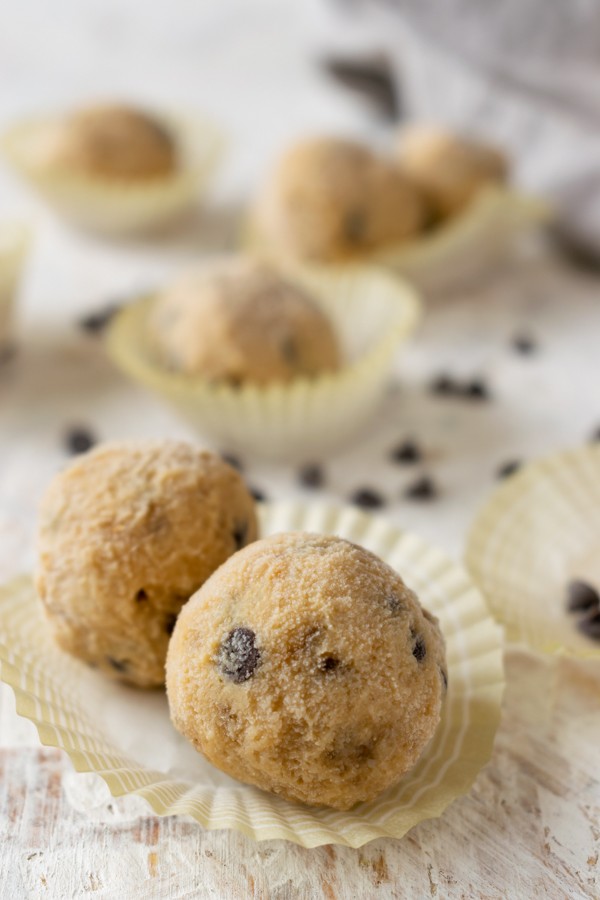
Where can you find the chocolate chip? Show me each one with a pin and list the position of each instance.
(524, 344)
(406, 452)
(419, 649)
(590, 626)
(582, 596)
(95, 322)
(233, 461)
(170, 621)
(444, 385)
(311, 476)
(79, 440)
(240, 535)
(355, 226)
(476, 389)
(508, 468)
(119, 665)
(422, 489)
(141, 596)
(328, 663)
(234, 381)
(366, 498)
(239, 656)
(393, 603)
(444, 678)
(595, 436)
(258, 495)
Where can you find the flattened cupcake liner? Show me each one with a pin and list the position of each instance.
(372, 313)
(125, 735)
(120, 206)
(13, 246)
(454, 252)
(537, 532)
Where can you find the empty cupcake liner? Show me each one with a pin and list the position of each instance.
(13, 246)
(124, 735)
(537, 532)
(120, 207)
(372, 313)
(454, 252)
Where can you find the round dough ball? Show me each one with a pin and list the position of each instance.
(113, 142)
(127, 533)
(332, 199)
(307, 667)
(450, 170)
(238, 321)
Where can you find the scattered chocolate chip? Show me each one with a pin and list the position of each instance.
(422, 489)
(79, 440)
(509, 468)
(239, 656)
(366, 498)
(240, 535)
(393, 603)
(444, 385)
(170, 621)
(328, 663)
(476, 389)
(582, 596)
(524, 344)
(444, 675)
(141, 596)
(258, 495)
(419, 649)
(311, 476)
(119, 665)
(355, 225)
(590, 626)
(406, 452)
(95, 322)
(233, 461)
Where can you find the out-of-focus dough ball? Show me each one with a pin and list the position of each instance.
(127, 533)
(330, 199)
(239, 321)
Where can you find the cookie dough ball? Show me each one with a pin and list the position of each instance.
(239, 321)
(127, 533)
(332, 199)
(112, 142)
(449, 169)
(307, 667)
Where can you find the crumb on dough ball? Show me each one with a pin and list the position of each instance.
(127, 533)
(450, 169)
(331, 199)
(307, 667)
(112, 141)
(239, 321)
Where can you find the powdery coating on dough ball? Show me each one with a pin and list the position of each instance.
(450, 170)
(306, 666)
(332, 199)
(114, 142)
(127, 533)
(239, 321)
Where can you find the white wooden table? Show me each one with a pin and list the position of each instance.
(530, 827)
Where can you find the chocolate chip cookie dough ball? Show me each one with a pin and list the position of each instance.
(239, 321)
(332, 199)
(305, 666)
(112, 142)
(449, 169)
(127, 533)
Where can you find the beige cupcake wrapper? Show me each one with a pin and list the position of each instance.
(14, 240)
(124, 735)
(539, 530)
(457, 250)
(372, 313)
(120, 207)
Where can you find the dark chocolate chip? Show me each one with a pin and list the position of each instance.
(524, 344)
(233, 461)
(590, 626)
(239, 657)
(372, 78)
(119, 665)
(311, 476)
(234, 381)
(170, 621)
(406, 452)
(508, 468)
(419, 649)
(393, 603)
(79, 440)
(141, 596)
(258, 495)
(328, 663)
(240, 535)
(445, 386)
(444, 675)
(367, 498)
(582, 596)
(422, 489)
(476, 389)
(355, 226)
(95, 322)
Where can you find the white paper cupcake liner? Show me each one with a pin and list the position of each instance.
(453, 253)
(538, 531)
(13, 247)
(120, 207)
(125, 736)
(372, 313)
